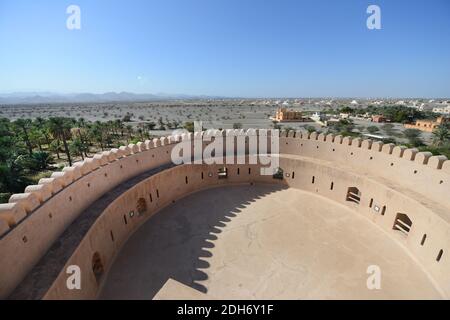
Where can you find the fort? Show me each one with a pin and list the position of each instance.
(140, 226)
(427, 125)
(285, 115)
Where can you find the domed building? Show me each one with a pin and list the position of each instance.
(338, 218)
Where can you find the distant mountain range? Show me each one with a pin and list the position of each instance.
(49, 97)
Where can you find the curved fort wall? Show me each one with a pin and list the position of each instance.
(389, 181)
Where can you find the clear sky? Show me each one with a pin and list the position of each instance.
(265, 48)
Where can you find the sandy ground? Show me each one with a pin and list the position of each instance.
(213, 115)
(262, 242)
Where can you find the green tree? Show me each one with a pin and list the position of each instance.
(24, 126)
(78, 148)
(388, 128)
(372, 129)
(60, 128)
(441, 135)
(12, 178)
(347, 109)
(310, 129)
(413, 136)
(43, 160)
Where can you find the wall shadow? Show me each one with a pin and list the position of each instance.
(173, 243)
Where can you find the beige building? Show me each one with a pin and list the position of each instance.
(427, 125)
(285, 115)
(140, 227)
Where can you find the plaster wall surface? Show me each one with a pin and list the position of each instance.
(395, 178)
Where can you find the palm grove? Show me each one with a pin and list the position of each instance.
(33, 149)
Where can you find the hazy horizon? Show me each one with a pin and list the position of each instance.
(230, 49)
(162, 95)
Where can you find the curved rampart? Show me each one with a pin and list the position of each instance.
(393, 179)
(32, 221)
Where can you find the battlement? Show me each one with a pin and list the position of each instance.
(426, 158)
(22, 205)
(63, 196)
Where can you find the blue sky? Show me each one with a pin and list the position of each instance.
(266, 48)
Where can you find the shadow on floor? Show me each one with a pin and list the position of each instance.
(173, 242)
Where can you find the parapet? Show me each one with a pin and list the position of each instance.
(438, 162)
(22, 206)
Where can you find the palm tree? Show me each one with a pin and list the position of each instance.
(42, 125)
(96, 132)
(79, 134)
(441, 135)
(77, 147)
(130, 133)
(25, 126)
(12, 178)
(119, 125)
(36, 136)
(60, 128)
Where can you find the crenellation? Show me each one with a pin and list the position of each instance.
(423, 157)
(410, 153)
(157, 142)
(64, 177)
(142, 146)
(42, 191)
(388, 148)
(313, 136)
(149, 144)
(22, 204)
(339, 139)
(102, 159)
(436, 162)
(125, 150)
(330, 137)
(356, 142)
(377, 146)
(74, 171)
(12, 213)
(83, 168)
(133, 148)
(186, 136)
(163, 141)
(322, 137)
(347, 141)
(398, 151)
(54, 184)
(117, 152)
(230, 133)
(110, 156)
(91, 164)
(446, 167)
(29, 201)
(367, 144)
